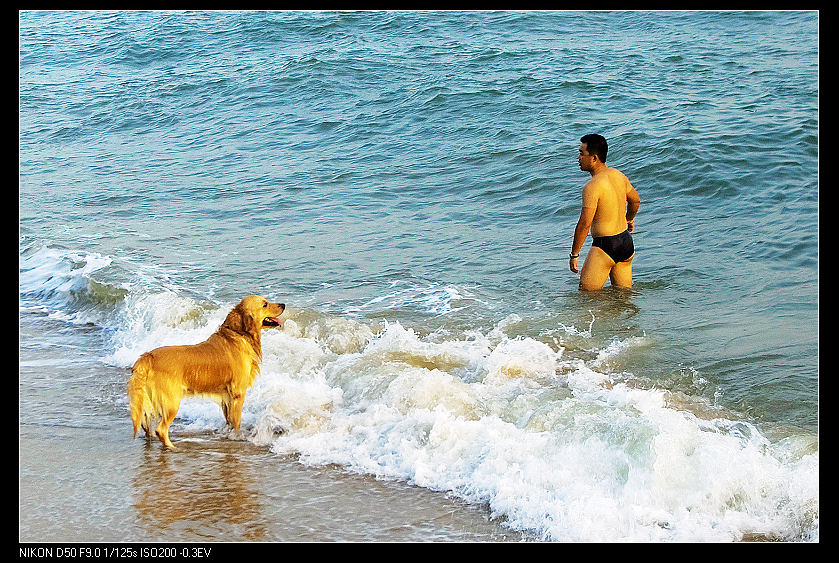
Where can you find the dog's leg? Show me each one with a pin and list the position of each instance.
(146, 424)
(235, 410)
(225, 409)
(163, 428)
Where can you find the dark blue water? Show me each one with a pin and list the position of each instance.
(407, 182)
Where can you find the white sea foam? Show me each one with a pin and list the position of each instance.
(432, 298)
(554, 447)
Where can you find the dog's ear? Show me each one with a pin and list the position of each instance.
(240, 320)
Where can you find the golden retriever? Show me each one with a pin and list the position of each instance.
(221, 368)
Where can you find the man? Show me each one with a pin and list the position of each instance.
(609, 207)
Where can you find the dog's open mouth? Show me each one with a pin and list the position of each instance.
(271, 321)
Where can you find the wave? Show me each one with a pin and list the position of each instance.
(63, 279)
(559, 447)
(555, 447)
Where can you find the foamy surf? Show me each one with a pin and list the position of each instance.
(559, 447)
(550, 446)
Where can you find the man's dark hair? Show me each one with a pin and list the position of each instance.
(596, 144)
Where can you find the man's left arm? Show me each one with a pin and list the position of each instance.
(633, 202)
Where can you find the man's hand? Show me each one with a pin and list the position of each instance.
(573, 264)
(630, 225)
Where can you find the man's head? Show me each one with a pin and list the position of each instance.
(592, 147)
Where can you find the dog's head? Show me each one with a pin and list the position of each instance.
(252, 313)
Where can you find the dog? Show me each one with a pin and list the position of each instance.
(221, 368)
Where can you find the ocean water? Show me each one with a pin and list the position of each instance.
(406, 182)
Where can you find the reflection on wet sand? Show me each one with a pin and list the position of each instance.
(171, 488)
(218, 489)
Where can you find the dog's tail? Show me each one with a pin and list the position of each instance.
(138, 399)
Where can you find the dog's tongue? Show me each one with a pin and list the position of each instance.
(275, 320)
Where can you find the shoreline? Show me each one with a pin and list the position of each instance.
(82, 478)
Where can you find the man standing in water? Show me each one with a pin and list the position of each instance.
(609, 207)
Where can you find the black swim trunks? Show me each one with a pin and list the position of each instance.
(619, 247)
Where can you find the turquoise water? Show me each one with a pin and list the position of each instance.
(407, 183)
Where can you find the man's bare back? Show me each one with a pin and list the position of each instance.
(606, 193)
(610, 203)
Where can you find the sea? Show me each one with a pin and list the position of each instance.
(406, 182)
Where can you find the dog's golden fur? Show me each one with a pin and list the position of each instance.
(221, 368)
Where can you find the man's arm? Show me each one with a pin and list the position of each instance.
(633, 202)
(583, 225)
(582, 228)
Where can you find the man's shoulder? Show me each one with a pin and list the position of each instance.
(616, 172)
(605, 178)
(616, 178)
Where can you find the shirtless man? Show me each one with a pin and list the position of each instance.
(609, 207)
